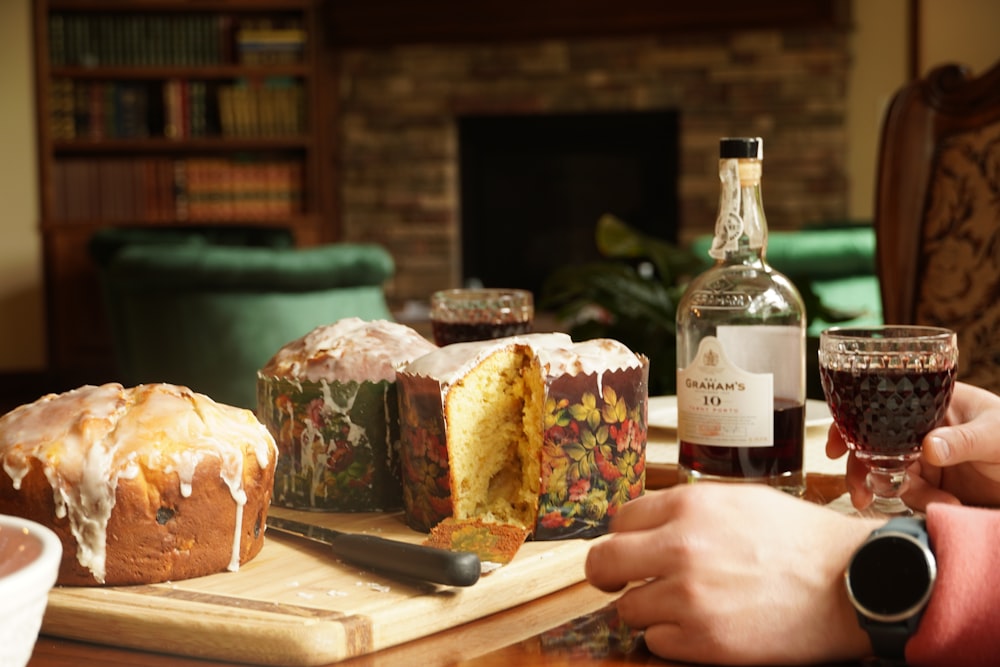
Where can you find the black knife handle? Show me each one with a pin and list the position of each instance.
(452, 568)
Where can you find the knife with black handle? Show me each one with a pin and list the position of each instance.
(414, 561)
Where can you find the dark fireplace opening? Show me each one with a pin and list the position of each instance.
(534, 186)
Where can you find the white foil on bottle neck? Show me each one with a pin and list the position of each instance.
(738, 214)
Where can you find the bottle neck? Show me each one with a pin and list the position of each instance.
(740, 228)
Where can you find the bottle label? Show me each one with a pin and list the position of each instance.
(721, 404)
(729, 223)
(721, 294)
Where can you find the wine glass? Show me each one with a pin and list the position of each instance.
(467, 314)
(887, 387)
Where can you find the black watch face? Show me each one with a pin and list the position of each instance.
(889, 575)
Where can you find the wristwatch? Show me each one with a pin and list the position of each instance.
(889, 581)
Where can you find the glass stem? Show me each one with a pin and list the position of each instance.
(888, 485)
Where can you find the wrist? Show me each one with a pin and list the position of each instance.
(857, 643)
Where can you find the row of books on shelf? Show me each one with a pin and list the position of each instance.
(176, 109)
(137, 40)
(274, 110)
(166, 189)
(263, 42)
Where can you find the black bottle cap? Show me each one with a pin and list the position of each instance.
(741, 147)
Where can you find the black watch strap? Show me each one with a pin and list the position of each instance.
(889, 639)
(890, 635)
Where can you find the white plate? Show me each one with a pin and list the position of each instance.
(663, 412)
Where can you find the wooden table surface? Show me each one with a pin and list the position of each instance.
(576, 625)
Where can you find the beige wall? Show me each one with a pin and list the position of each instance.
(953, 31)
(879, 46)
(959, 31)
(22, 338)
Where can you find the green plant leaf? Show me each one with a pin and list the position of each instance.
(617, 240)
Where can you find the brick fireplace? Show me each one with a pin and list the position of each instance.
(400, 107)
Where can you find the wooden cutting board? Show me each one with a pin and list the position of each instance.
(295, 604)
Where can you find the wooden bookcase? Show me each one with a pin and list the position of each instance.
(172, 113)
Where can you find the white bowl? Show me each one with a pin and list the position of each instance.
(29, 563)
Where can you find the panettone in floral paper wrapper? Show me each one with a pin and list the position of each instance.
(329, 399)
(534, 430)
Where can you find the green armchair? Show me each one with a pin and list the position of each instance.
(207, 309)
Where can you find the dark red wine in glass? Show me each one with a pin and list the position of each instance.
(446, 333)
(887, 413)
(459, 315)
(887, 387)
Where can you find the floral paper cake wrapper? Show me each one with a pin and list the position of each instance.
(594, 458)
(593, 455)
(338, 443)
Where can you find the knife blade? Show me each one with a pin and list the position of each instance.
(415, 561)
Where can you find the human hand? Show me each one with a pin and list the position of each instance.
(734, 574)
(960, 460)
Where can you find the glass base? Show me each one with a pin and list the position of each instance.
(792, 483)
(887, 508)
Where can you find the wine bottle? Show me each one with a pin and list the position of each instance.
(741, 346)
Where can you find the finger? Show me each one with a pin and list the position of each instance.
(672, 641)
(972, 441)
(921, 493)
(648, 511)
(969, 402)
(835, 445)
(600, 567)
(857, 473)
(971, 422)
(682, 642)
(623, 558)
(649, 604)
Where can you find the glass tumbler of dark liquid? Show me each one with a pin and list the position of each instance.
(467, 314)
(887, 387)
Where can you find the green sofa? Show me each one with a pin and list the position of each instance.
(207, 309)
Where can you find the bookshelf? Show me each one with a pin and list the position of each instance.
(171, 113)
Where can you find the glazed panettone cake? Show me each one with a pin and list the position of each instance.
(535, 431)
(143, 484)
(329, 400)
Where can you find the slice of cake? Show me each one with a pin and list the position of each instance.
(534, 430)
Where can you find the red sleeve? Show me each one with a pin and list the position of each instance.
(959, 626)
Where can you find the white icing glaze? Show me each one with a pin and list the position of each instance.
(313, 449)
(89, 438)
(452, 362)
(556, 352)
(590, 357)
(349, 349)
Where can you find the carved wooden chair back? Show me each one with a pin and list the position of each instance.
(937, 213)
